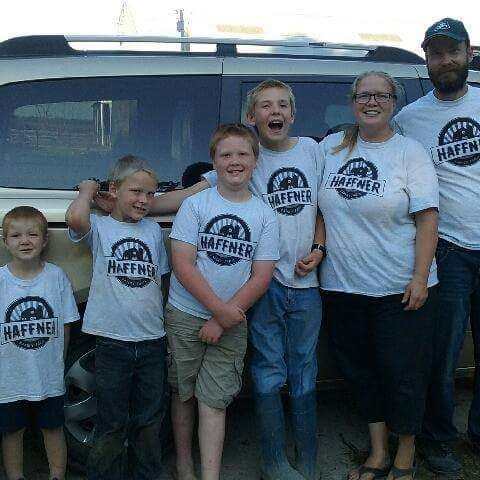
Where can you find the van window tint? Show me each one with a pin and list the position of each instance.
(321, 106)
(55, 133)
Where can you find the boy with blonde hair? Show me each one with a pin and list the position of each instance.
(37, 306)
(285, 322)
(125, 312)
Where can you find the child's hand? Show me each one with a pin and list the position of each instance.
(104, 201)
(230, 315)
(88, 188)
(211, 332)
(309, 263)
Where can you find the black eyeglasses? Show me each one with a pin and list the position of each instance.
(381, 97)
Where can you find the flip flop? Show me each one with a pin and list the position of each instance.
(403, 472)
(376, 472)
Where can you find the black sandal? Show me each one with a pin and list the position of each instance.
(376, 472)
(403, 472)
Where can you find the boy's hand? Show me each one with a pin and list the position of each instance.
(309, 263)
(211, 332)
(88, 188)
(230, 315)
(104, 201)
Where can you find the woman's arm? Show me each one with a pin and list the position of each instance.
(426, 239)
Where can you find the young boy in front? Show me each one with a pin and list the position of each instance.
(224, 247)
(125, 312)
(284, 324)
(37, 306)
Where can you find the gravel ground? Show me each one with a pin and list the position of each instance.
(343, 442)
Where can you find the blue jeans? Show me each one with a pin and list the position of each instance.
(283, 328)
(459, 299)
(131, 404)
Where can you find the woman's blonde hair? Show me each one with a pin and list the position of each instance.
(351, 133)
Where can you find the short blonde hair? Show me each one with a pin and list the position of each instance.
(24, 212)
(128, 165)
(233, 130)
(253, 94)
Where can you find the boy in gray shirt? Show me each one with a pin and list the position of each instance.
(124, 311)
(224, 247)
(37, 307)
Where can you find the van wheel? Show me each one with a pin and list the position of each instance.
(80, 402)
(81, 405)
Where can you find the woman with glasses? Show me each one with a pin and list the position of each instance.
(379, 200)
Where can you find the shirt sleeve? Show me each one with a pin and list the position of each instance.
(70, 310)
(268, 244)
(186, 224)
(422, 182)
(76, 237)
(211, 178)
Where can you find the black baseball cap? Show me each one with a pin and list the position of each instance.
(447, 27)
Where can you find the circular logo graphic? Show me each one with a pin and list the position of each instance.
(27, 309)
(135, 250)
(357, 167)
(456, 130)
(287, 179)
(229, 226)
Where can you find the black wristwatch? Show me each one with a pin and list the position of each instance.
(319, 246)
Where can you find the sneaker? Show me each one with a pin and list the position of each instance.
(440, 457)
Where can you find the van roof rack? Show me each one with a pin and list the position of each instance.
(60, 45)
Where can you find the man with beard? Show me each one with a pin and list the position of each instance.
(447, 122)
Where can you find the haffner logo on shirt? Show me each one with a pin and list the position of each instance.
(131, 262)
(357, 178)
(459, 143)
(226, 240)
(29, 323)
(288, 191)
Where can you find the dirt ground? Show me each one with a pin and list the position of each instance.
(343, 442)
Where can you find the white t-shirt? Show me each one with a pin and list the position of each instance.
(125, 299)
(367, 199)
(229, 237)
(287, 181)
(450, 131)
(33, 313)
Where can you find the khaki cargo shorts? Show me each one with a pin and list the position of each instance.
(211, 373)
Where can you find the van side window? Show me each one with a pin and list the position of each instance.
(57, 132)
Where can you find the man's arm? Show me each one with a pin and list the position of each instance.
(305, 265)
(78, 213)
(426, 239)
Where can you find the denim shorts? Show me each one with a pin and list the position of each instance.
(211, 373)
(42, 414)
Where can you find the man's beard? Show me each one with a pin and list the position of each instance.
(450, 85)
